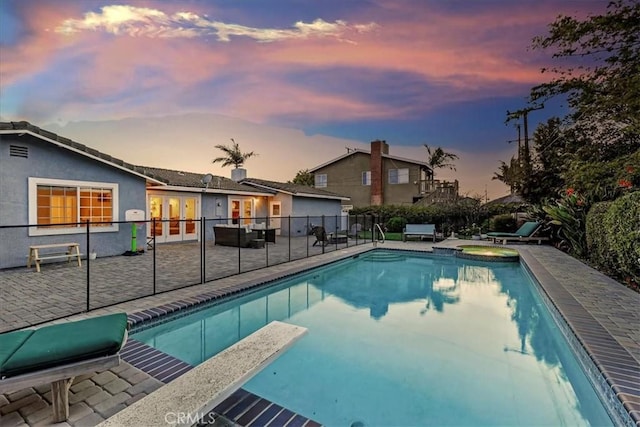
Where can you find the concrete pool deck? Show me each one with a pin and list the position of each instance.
(602, 314)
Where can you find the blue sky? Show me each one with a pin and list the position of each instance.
(410, 72)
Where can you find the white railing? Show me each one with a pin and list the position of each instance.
(375, 240)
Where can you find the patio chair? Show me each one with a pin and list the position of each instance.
(56, 354)
(321, 236)
(527, 232)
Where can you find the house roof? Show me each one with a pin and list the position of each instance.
(168, 179)
(21, 128)
(293, 189)
(218, 184)
(355, 151)
(509, 198)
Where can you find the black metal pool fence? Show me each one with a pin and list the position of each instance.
(149, 257)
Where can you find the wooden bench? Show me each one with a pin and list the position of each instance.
(39, 253)
(421, 230)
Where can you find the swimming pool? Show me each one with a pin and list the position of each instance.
(403, 339)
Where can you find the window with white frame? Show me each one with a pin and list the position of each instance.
(366, 178)
(63, 207)
(320, 180)
(398, 176)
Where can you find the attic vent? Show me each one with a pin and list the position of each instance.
(18, 151)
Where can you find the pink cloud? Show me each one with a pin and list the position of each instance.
(462, 56)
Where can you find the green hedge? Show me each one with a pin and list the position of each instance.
(505, 222)
(396, 224)
(622, 225)
(597, 235)
(446, 217)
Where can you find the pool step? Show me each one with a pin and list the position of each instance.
(382, 257)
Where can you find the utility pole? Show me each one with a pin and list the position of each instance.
(526, 161)
(519, 141)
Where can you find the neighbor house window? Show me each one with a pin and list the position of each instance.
(320, 180)
(398, 176)
(366, 178)
(64, 207)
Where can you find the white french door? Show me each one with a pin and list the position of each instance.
(175, 217)
(275, 214)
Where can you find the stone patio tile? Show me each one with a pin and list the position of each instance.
(84, 394)
(90, 420)
(104, 377)
(116, 386)
(11, 420)
(78, 411)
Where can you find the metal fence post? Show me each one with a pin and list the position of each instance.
(308, 234)
(289, 238)
(88, 265)
(325, 232)
(239, 256)
(202, 249)
(155, 248)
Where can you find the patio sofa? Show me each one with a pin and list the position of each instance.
(57, 353)
(232, 235)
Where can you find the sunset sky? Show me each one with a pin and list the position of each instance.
(342, 71)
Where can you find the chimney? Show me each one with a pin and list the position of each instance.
(238, 174)
(378, 148)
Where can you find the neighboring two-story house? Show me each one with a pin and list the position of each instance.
(377, 178)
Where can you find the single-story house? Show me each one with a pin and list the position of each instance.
(50, 186)
(305, 205)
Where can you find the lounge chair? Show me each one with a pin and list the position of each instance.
(526, 233)
(56, 354)
(321, 236)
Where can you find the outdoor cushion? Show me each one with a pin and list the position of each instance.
(9, 343)
(66, 343)
(525, 230)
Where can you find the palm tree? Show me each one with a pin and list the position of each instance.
(304, 177)
(438, 158)
(510, 174)
(233, 156)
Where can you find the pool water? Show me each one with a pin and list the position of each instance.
(403, 339)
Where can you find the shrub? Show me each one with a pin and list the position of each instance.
(622, 225)
(570, 213)
(505, 223)
(597, 234)
(396, 224)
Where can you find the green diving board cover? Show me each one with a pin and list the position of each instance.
(33, 350)
(9, 343)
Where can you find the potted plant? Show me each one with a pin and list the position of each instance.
(476, 232)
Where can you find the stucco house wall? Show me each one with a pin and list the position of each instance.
(45, 160)
(314, 210)
(345, 177)
(399, 194)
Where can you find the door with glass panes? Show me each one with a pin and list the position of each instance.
(175, 218)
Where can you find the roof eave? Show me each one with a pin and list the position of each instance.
(208, 190)
(21, 132)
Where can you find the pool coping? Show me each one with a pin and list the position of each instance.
(615, 372)
(609, 365)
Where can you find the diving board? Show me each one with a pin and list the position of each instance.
(194, 394)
